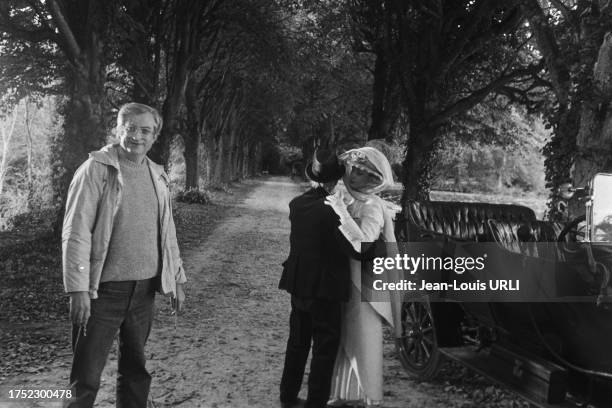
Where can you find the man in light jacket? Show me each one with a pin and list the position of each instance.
(119, 246)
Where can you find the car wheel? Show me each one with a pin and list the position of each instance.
(418, 346)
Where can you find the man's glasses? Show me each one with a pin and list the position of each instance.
(131, 130)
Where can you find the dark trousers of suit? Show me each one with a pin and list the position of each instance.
(126, 307)
(316, 321)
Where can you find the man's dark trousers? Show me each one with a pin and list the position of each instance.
(127, 307)
(315, 320)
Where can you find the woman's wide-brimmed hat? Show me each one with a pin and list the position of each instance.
(325, 167)
(374, 162)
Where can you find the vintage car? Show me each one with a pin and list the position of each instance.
(554, 351)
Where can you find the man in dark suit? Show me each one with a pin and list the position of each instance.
(317, 275)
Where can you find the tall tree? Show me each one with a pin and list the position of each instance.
(446, 57)
(243, 64)
(191, 23)
(370, 29)
(70, 33)
(575, 42)
(332, 84)
(141, 30)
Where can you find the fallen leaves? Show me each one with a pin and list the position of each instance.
(32, 307)
(30, 349)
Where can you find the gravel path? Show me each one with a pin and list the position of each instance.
(228, 348)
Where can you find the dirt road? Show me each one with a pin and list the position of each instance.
(228, 348)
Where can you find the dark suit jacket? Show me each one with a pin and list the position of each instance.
(318, 264)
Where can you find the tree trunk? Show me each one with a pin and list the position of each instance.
(499, 158)
(225, 142)
(28, 136)
(579, 145)
(218, 160)
(160, 152)
(559, 152)
(192, 157)
(239, 162)
(236, 159)
(192, 136)
(226, 171)
(176, 92)
(7, 130)
(84, 131)
(231, 152)
(208, 155)
(499, 176)
(594, 139)
(417, 165)
(245, 161)
(256, 159)
(226, 167)
(385, 102)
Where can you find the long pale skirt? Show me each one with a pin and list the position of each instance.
(358, 371)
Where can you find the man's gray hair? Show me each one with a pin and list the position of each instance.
(133, 108)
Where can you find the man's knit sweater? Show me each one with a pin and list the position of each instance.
(134, 249)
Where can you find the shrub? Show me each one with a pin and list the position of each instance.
(222, 187)
(193, 196)
(12, 203)
(36, 220)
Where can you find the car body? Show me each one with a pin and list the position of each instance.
(553, 347)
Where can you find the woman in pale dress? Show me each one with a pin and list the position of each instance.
(364, 217)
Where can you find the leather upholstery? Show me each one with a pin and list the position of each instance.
(426, 220)
(526, 237)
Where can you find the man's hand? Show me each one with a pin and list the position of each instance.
(80, 308)
(180, 297)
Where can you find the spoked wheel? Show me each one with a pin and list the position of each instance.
(418, 346)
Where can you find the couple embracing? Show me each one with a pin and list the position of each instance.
(323, 276)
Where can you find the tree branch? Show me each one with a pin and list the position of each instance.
(483, 10)
(547, 44)
(72, 48)
(478, 96)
